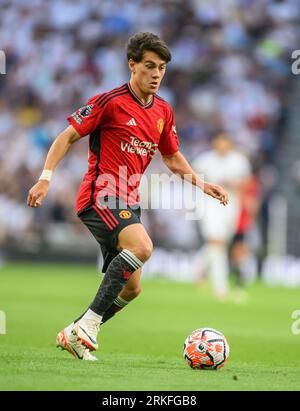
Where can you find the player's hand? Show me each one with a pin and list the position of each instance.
(37, 193)
(216, 192)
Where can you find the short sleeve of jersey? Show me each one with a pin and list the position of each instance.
(87, 118)
(168, 143)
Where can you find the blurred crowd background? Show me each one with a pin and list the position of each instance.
(230, 71)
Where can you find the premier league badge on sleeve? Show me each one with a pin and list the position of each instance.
(85, 111)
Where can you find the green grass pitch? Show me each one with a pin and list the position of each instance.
(141, 347)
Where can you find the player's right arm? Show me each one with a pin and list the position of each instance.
(56, 152)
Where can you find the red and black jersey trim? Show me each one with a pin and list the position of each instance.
(104, 98)
(137, 100)
(95, 147)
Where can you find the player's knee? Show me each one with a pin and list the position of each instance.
(144, 250)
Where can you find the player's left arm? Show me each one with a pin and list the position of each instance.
(178, 164)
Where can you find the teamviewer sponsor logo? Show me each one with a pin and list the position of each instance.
(141, 148)
(2, 62)
(2, 322)
(296, 63)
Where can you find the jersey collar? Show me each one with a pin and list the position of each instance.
(137, 99)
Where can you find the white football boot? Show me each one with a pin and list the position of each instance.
(69, 342)
(86, 330)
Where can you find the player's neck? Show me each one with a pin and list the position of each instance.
(144, 98)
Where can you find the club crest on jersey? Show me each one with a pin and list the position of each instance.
(160, 125)
(125, 214)
(85, 111)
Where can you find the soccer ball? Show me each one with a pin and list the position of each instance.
(206, 349)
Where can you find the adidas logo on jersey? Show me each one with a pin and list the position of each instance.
(131, 122)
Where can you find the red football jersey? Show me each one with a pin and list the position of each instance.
(124, 136)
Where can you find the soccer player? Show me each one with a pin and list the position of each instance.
(227, 166)
(126, 126)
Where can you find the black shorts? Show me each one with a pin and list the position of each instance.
(105, 224)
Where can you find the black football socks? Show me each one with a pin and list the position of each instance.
(117, 274)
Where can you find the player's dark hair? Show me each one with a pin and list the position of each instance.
(141, 42)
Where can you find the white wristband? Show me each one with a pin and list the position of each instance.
(46, 175)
